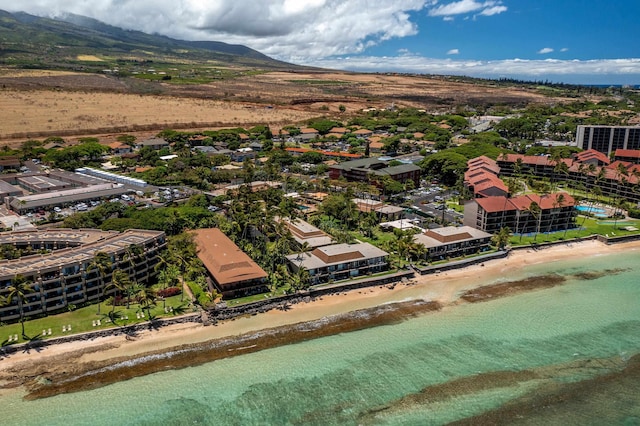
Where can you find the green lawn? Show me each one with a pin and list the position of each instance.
(82, 320)
(591, 226)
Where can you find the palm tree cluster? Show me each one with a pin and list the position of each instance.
(253, 224)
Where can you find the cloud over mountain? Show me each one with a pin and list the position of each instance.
(285, 29)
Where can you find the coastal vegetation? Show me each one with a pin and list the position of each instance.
(260, 105)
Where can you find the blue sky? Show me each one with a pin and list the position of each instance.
(575, 41)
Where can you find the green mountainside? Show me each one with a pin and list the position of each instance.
(34, 42)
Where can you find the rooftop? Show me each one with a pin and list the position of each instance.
(224, 260)
(336, 254)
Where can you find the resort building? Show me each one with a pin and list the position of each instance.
(339, 262)
(620, 178)
(627, 155)
(305, 233)
(365, 169)
(591, 156)
(452, 241)
(482, 183)
(231, 271)
(608, 139)
(63, 275)
(522, 214)
(385, 211)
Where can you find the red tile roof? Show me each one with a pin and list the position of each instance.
(327, 153)
(523, 202)
(628, 153)
(495, 204)
(591, 154)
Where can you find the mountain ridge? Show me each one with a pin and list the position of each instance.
(25, 37)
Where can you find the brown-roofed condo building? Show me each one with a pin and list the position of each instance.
(453, 241)
(340, 261)
(232, 272)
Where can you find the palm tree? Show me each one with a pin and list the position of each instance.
(119, 282)
(19, 289)
(132, 255)
(102, 263)
(501, 239)
(147, 299)
(530, 211)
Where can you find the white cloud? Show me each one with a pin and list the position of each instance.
(448, 18)
(564, 49)
(284, 29)
(606, 70)
(545, 50)
(494, 10)
(453, 52)
(486, 8)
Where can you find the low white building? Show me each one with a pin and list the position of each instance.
(452, 241)
(340, 261)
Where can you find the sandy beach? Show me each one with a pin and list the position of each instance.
(444, 288)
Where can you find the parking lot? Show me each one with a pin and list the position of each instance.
(431, 200)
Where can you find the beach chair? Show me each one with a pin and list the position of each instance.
(15, 337)
(49, 332)
(64, 328)
(93, 323)
(10, 339)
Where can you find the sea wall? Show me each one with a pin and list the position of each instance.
(620, 239)
(222, 312)
(129, 330)
(457, 264)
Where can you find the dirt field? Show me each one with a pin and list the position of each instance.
(37, 104)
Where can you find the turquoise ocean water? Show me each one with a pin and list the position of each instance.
(554, 356)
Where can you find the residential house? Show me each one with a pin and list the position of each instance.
(119, 148)
(242, 154)
(154, 143)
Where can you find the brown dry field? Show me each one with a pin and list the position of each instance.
(37, 104)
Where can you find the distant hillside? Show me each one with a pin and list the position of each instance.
(32, 41)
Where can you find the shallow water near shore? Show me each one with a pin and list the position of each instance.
(562, 355)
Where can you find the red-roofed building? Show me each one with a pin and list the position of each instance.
(628, 155)
(591, 156)
(539, 165)
(482, 183)
(299, 151)
(119, 148)
(554, 212)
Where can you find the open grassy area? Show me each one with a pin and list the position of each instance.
(591, 226)
(83, 319)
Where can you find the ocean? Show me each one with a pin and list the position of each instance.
(564, 355)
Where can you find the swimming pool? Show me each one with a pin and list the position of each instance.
(591, 209)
